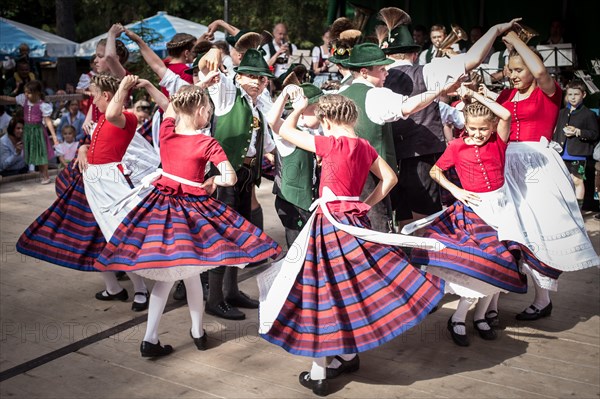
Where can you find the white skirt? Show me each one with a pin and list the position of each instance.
(140, 159)
(548, 220)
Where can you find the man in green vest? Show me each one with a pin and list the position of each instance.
(295, 180)
(377, 108)
(242, 131)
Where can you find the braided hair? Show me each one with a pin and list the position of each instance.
(476, 109)
(337, 108)
(179, 43)
(188, 99)
(106, 82)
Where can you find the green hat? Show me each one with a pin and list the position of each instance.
(340, 55)
(298, 69)
(400, 41)
(190, 70)
(311, 92)
(253, 63)
(367, 55)
(232, 40)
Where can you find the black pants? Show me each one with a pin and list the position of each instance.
(292, 218)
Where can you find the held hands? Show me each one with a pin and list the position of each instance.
(571, 131)
(132, 35)
(483, 90)
(211, 60)
(128, 83)
(292, 92)
(510, 39)
(117, 29)
(300, 103)
(508, 25)
(463, 91)
(466, 197)
(211, 78)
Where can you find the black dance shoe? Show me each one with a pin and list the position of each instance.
(202, 342)
(492, 317)
(459, 339)
(180, 293)
(537, 313)
(154, 350)
(140, 306)
(348, 366)
(488, 335)
(241, 300)
(225, 311)
(119, 296)
(319, 387)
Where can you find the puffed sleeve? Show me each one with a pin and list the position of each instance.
(46, 109)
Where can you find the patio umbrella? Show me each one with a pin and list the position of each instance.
(159, 28)
(41, 43)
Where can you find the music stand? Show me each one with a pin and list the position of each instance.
(302, 57)
(557, 55)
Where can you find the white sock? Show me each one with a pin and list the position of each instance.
(480, 309)
(158, 300)
(318, 370)
(493, 307)
(112, 284)
(542, 298)
(193, 288)
(461, 314)
(138, 286)
(336, 363)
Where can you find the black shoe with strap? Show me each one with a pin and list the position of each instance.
(155, 350)
(140, 306)
(489, 334)
(347, 366)
(319, 387)
(492, 317)
(119, 296)
(459, 339)
(242, 300)
(535, 314)
(202, 342)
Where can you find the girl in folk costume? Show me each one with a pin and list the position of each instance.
(37, 113)
(475, 264)
(103, 171)
(180, 53)
(538, 183)
(360, 294)
(67, 233)
(177, 231)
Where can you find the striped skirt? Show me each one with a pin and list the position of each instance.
(194, 233)
(66, 234)
(351, 295)
(474, 251)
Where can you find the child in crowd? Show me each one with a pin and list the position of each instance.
(67, 150)
(177, 231)
(577, 132)
(37, 119)
(346, 295)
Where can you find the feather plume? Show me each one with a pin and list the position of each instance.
(265, 38)
(381, 31)
(338, 26)
(393, 16)
(247, 41)
(291, 79)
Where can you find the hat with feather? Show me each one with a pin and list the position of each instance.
(344, 36)
(394, 37)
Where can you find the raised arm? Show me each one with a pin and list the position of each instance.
(219, 23)
(419, 101)
(502, 113)
(114, 111)
(112, 59)
(153, 60)
(477, 53)
(291, 133)
(211, 61)
(533, 62)
(274, 116)
(157, 95)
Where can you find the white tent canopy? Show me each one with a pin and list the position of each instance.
(41, 43)
(162, 24)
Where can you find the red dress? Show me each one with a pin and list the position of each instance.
(351, 295)
(179, 226)
(533, 117)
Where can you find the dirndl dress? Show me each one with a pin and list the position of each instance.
(170, 238)
(548, 221)
(337, 293)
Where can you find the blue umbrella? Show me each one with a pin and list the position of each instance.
(156, 30)
(41, 43)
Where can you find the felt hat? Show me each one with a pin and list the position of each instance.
(232, 40)
(311, 92)
(253, 63)
(400, 40)
(298, 69)
(367, 55)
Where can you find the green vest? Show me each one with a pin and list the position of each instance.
(234, 132)
(380, 137)
(297, 178)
